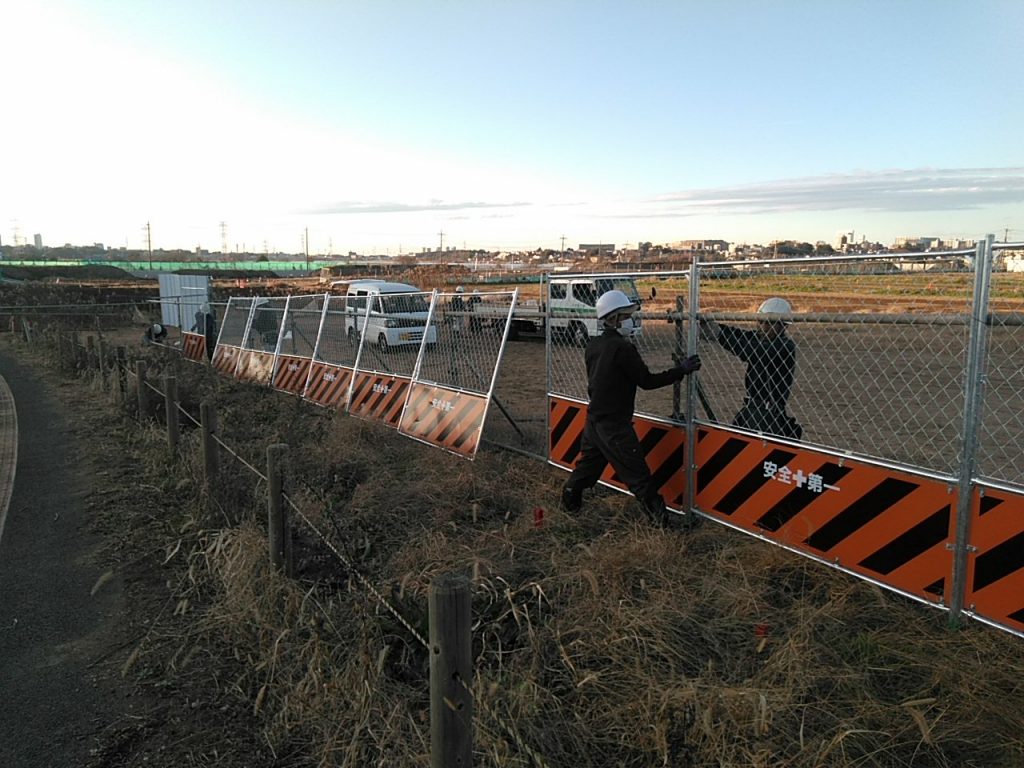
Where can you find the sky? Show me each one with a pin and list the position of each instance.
(396, 125)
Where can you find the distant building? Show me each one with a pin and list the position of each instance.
(38, 240)
(596, 249)
(702, 245)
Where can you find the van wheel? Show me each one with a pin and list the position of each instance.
(382, 343)
(578, 334)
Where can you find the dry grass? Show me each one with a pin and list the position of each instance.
(598, 641)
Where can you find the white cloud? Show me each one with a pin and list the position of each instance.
(924, 189)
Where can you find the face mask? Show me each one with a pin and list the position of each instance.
(626, 327)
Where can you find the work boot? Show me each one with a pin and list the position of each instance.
(572, 500)
(657, 512)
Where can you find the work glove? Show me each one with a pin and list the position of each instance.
(689, 365)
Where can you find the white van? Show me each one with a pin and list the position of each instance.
(574, 302)
(397, 317)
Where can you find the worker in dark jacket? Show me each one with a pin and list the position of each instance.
(770, 355)
(614, 371)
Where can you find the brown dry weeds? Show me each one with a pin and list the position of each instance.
(598, 641)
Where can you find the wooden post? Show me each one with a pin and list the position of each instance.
(140, 388)
(104, 356)
(78, 351)
(122, 375)
(276, 527)
(208, 420)
(171, 411)
(451, 674)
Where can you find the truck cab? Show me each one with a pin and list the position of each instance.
(572, 305)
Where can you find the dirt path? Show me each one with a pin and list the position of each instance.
(55, 636)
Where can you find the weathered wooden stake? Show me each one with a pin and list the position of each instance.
(104, 359)
(122, 375)
(276, 526)
(451, 673)
(208, 420)
(171, 412)
(141, 391)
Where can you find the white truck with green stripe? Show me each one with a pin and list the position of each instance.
(569, 303)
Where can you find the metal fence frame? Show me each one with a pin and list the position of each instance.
(966, 478)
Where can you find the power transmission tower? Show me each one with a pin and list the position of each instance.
(441, 246)
(562, 258)
(224, 237)
(149, 244)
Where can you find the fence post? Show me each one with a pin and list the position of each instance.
(90, 350)
(104, 354)
(121, 364)
(140, 388)
(276, 525)
(171, 411)
(451, 659)
(977, 347)
(208, 420)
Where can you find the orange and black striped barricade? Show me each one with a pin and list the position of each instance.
(663, 444)
(255, 366)
(378, 397)
(327, 384)
(995, 565)
(450, 419)
(888, 525)
(193, 346)
(225, 358)
(291, 374)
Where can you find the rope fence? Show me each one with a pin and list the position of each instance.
(454, 746)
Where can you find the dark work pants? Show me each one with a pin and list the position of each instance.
(615, 443)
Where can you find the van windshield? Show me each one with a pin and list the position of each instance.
(624, 284)
(404, 303)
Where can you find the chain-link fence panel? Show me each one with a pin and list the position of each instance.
(572, 320)
(659, 333)
(1000, 453)
(299, 330)
(455, 377)
(301, 325)
(265, 325)
(469, 330)
(232, 334)
(338, 340)
(862, 355)
(388, 324)
(235, 321)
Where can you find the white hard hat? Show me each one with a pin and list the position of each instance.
(775, 306)
(156, 329)
(613, 301)
(459, 289)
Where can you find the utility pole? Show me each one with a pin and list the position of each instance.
(305, 241)
(562, 257)
(149, 244)
(441, 247)
(1006, 234)
(224, 238)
